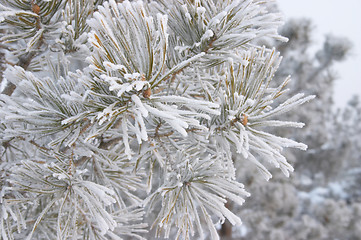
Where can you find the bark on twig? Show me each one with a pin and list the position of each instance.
(24, 62)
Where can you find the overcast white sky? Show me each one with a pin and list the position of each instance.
(340, 18)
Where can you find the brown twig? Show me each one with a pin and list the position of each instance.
(34, 143)
(25, 60)
(107, 144)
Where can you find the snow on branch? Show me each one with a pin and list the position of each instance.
(129, 115)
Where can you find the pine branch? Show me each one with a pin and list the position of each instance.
(23, 62)
(140, 116)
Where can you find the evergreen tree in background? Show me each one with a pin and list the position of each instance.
(322, 199)
(119, 118)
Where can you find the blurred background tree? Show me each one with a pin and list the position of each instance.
(322, 199)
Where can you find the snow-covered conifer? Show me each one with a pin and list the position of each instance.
(119, 117)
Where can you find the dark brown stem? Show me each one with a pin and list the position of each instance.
(2, 65)
(34, 143)
(24, 62)
(210, 44)
(157, 130)
(226, 230)
(81, 160)
(107, 144)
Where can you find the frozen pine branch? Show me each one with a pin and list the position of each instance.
(133, 116)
